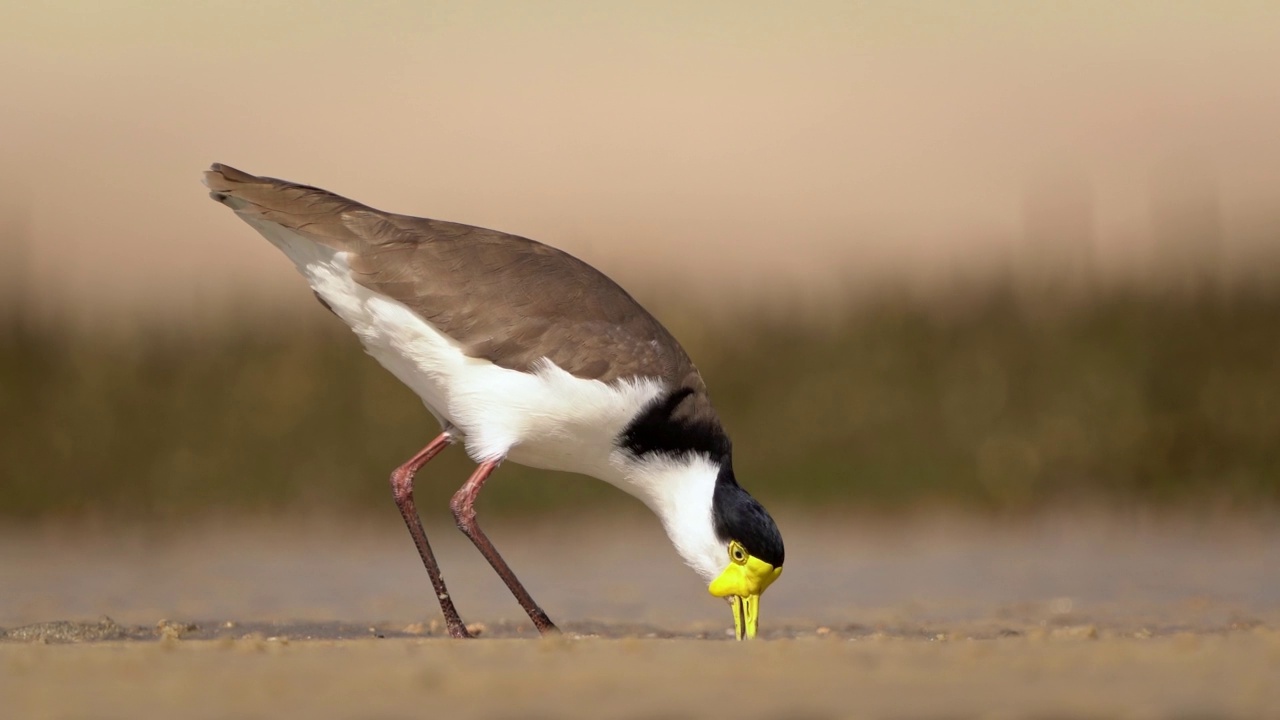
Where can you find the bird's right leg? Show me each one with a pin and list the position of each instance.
(402, 488)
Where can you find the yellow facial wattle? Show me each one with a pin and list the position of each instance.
(743, 582)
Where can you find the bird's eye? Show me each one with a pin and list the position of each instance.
(737, 553)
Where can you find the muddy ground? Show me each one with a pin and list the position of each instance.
(941, 617)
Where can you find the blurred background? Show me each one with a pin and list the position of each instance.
(996, 257)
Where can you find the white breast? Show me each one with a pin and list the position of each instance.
(547, 419)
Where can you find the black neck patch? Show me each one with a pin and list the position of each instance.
(662, 429)
(667, 428)
(738, 516)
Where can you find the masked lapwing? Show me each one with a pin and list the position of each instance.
(526, 354)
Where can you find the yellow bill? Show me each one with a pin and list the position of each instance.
(743, 582)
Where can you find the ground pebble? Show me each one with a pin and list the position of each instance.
(173, 630)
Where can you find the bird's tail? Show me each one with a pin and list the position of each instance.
(311, 212)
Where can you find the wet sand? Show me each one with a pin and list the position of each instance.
(1062, 617)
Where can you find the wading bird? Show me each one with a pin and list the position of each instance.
(524, 353)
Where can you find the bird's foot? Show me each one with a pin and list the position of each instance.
(458, 631)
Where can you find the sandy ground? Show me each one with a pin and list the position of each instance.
(1063, 617)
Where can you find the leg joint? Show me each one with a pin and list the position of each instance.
(401, 485)
(464, 511)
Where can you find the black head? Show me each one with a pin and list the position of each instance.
(738, 516)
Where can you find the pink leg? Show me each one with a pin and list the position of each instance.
(402, 488)
(463, 506)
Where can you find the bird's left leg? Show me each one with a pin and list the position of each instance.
(464, 512)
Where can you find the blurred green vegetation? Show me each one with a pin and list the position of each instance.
(985, 399)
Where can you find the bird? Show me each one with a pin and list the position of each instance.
(523, 353)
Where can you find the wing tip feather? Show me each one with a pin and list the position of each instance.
(223, 181)
(219, 177)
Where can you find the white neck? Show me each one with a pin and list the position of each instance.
(679, 491)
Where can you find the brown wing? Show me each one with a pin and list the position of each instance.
(504, 298)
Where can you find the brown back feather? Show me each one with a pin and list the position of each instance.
(504, 298)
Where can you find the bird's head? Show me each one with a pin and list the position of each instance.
(717, 527)
(753, 551)
(678, 459)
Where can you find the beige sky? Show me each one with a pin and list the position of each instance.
(726, 146)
